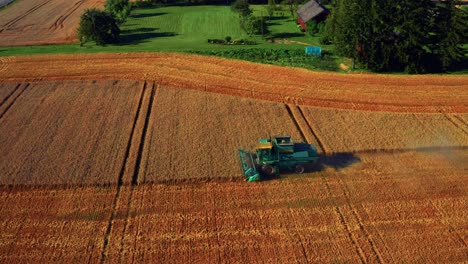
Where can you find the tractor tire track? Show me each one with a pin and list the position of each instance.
(145, 116)
(320, 141)
(19, 91)
(296, 123)
(456, 121)
(345, 224)
(358, 218)
(18, 18)
(59, 22)
(120, 181)
(9, 95)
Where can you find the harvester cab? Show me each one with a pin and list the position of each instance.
(274, 154)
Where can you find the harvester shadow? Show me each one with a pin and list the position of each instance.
(336, 161)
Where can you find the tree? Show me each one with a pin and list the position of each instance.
(242, 7)
(450, 28)
(254, 25)
(99, 26)
(119, 8)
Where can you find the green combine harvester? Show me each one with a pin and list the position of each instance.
(275, 154)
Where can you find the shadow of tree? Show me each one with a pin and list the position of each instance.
(147, 15)
(287, 35)
(140, 37)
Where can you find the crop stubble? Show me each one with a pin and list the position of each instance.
(38, 22)
(53, 225)
(387, 215)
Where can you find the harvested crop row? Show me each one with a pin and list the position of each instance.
(427, 93)
(348, 131)
(371, 208)
(36, 22)
(68, 133)
(62, 225)
(196, 135)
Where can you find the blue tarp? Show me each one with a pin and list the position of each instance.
(313, 51)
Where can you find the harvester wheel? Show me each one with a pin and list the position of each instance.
(268, 170)
(299, 169)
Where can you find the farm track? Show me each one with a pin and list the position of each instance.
(58, 24)
(128, 176)
(4, 106)
(421, 94)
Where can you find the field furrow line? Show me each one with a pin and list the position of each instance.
(343, 221)
(452, 229)
(459, 117)
(138, 227)
(18, 92)
(18, 18)
(456, 121)
(314, 132)
(371, 242)
(304, 252)
(387, 249)
(120, 181)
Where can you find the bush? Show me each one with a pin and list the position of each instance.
(99, 26)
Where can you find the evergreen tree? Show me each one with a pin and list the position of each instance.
(450, 28)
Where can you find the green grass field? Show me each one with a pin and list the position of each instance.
(176, 28)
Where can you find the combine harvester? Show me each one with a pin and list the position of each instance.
(275, 154)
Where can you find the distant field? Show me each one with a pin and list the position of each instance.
(39, 22)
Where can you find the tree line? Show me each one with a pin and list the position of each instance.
(399, 35)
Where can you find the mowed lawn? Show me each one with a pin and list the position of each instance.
(180, 27)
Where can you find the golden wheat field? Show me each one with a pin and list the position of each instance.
(138, 163)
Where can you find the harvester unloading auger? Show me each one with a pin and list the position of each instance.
(275, 154)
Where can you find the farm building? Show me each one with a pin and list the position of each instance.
(311, 11)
